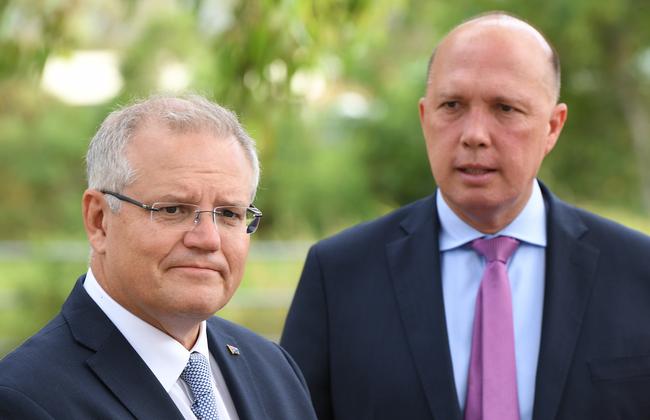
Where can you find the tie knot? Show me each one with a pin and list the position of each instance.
(499, 248)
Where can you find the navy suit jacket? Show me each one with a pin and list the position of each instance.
(367, 324)
(80, 366)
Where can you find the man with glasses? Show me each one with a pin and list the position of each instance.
(168, 215)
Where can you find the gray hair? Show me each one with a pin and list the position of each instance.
(106, 164)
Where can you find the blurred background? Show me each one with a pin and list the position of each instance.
(329, 89)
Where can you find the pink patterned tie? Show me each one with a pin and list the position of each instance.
(492, 385)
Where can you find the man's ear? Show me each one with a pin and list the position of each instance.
(558, 118)
(95, 211)
(422, 109)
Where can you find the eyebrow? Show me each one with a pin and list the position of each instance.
(236, 204)
(176, 198)
(172, 198)
(446, 96)
(519, 101)
(516, 99)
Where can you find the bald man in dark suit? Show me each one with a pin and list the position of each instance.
(388, 321)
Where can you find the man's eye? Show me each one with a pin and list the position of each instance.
(450, 104)
(506, 108)
(232, 214)
(176, 209)
(171, 209)
(228, 213)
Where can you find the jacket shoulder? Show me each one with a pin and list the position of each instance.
(609, 231)
(601, 228)
(380, 230)
(41, 369)
(38, 352)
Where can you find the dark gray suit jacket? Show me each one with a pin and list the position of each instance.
(80, 366)
(367, 324)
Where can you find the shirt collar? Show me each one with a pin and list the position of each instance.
(529, 225)
(164, 356)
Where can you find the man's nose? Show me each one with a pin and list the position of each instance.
(205, 232)
(476, 133)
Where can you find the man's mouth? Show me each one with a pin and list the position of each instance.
(476, 171)
(196, 267)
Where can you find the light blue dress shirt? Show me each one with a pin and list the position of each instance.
(462, 269)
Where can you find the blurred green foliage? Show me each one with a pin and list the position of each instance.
(329, 89)
(344, 145)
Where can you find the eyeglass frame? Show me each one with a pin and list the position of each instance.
(250, 228)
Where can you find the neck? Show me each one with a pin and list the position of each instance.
(185, 333)
(488, 226)
(488, 220)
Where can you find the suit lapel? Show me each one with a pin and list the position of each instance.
(414, 262)
(236, 372)
(570, 268)
(115, 362)
(120, 368)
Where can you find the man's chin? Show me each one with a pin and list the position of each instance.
(204, 302)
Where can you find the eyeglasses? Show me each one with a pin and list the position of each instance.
(184, 217)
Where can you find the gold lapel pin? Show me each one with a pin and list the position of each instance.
(233, 350)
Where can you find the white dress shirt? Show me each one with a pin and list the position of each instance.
(164, 356)
(462, 269)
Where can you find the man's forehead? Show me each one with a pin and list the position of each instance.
(504, 22)
(515, 43)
